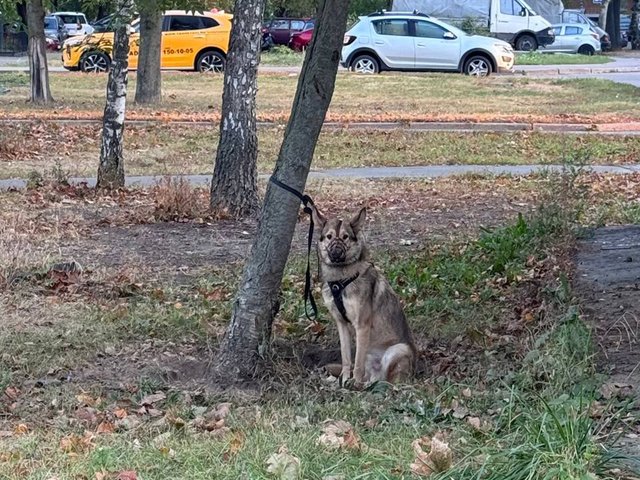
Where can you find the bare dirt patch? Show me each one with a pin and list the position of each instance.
(608, 281)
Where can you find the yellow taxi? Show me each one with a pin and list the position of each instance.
(190, 41)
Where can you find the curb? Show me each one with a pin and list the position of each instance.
(576, 70)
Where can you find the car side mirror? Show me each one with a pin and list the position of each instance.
(449, 36)
(523, 12)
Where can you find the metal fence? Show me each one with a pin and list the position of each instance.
(12, 42)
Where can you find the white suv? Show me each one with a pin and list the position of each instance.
(75, 22)
(415, 41)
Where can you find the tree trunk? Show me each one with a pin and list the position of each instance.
(111, 169)
(602, 19)
(234, 187)
(613, 23)
(38, 69)
(149, 84)
(634, 30)
(256, 303)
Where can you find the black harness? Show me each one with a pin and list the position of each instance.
(337, 289)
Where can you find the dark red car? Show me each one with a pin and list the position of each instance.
(299, 41)
(281, 29)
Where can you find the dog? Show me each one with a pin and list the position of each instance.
(361, 300)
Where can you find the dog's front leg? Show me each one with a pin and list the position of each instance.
(345, 349)
(363, 333)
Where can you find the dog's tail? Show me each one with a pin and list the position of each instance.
(397, 362)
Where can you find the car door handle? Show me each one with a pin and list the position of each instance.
(198, 36)
(421, 44)
(378, 42)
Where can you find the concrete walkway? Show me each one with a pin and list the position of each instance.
(431, 171)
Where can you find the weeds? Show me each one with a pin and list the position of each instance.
(176, 199)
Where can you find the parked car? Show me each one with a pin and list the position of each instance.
(299, 41)
(415, 41)
(52, 43)
(54, 28)
(104, 24)
(75, 22)
(577, 17)
(281, 29)
(190, 41)
(574, 38)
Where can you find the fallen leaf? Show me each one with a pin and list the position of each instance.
(474, 422)
(154, 398)
(106, 427)
(439, 458)
(12, 393)
(284, 465)
(466, 393)
(74, 444)
(120, 413)
(21, 429)
(338, 434)
(127, 475)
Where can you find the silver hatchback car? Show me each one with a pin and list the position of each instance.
(415, 41)
(574, 38)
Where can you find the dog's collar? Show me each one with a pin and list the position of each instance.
(337, 288)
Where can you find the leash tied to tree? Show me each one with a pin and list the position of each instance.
(307, 201)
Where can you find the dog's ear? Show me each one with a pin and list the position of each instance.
(357, 222)
(317, 217)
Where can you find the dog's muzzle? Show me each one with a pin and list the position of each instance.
(337, 252)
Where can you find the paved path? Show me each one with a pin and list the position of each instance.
(431, 171)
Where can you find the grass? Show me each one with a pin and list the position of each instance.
(393, 97)
(281, 56)
(181, 149)
(494, 314)
(541, 58)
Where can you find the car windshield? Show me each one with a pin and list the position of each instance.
(50, 23)
(308, 26)
(71, 18)
(528, 7)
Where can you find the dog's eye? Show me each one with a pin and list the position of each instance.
(329, 236)
(345, 236)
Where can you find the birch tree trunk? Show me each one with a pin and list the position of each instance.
(149, 84)
(111, 169)
(38, 69)
(234, 187)
(602, 19)
(248, 335)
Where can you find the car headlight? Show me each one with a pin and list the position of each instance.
(72, 42)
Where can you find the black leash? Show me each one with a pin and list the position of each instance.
(308, 203)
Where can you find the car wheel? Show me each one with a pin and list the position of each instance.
(95, 62)
(586, 50)
(526, 43)
(210, 62)
(477, 66)
(365, 64)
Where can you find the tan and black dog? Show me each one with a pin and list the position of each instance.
(361, 300)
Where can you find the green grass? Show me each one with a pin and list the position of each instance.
(281, 56)
(540, 58)
(393, 97)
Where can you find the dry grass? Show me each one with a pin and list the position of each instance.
(386, 97)
(179, 149)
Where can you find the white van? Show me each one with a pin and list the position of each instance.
(513, 21)
(75, 22)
